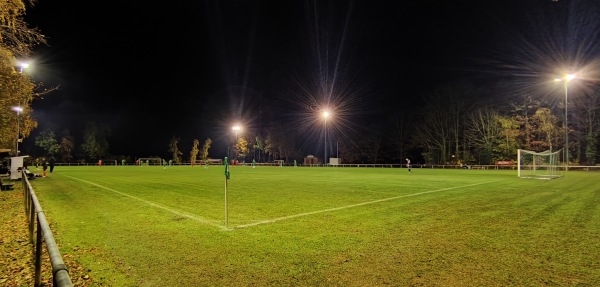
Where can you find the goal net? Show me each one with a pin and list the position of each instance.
(542, 165)
(150, 161)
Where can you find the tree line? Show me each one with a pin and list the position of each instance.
(457, 124)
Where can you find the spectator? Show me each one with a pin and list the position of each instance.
(30, 175)
(52, 162)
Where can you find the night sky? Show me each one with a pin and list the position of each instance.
(192, 69)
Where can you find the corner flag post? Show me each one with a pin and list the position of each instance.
(227, 175)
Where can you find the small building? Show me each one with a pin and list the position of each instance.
(311, 160)
(16, 164)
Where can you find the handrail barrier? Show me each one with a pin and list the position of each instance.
(33, 209)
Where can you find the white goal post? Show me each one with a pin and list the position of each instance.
(541, 165)
(150, 161)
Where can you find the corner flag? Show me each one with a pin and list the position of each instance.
(226, 180)
(227, 175)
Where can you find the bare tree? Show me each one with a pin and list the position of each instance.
(435, 131)
(484, 132)
(587, 121)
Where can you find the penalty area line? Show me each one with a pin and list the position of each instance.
(153, 204)
(355, 205)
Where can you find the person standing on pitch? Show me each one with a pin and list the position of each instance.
(408, 164)
(52, 162)
(44, 168)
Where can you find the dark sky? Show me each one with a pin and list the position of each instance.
(192, 69)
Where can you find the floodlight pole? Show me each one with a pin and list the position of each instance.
(18, 135)
(18, 109)
(226, 206)
(236, 129)
(226, 187)
(325, 116)
(325, 145)
(566, 125)
(566, 79)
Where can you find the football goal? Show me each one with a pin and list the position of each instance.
(542, 165)
(150, 161)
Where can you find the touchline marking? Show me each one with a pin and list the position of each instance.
(183, 214)
(355, 205)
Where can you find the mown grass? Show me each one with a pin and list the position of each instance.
(149, 226)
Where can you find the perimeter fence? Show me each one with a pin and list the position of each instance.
(374, 165)
(38, 225)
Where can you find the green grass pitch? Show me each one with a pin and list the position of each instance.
(301, 226)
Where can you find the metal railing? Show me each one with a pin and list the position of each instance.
(39, 226)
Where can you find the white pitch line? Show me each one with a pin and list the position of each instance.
(355, 205)
(180, 213)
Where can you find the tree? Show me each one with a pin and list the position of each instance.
(484, 131)
(205, 148)
(509, 143)
(95, 143)
(174, 150)
(194, 152)
(66, 148)
(349, 152)
(271, 146)
(46, 140)
(400, 133)
(16, 40)
(259, 146)
(371, 146)
(456, 102)
(547, 130)
(16, 91)
(435, 132)
(241, 146)
(522, 113)
(587, 121)
(91, 147)
(15, 35)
